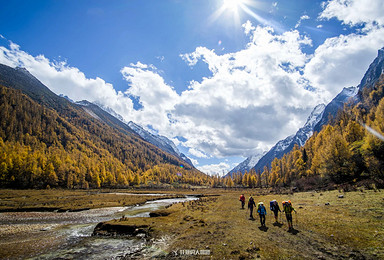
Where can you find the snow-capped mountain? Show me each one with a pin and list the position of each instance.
(347, 94)
(160, 141)
(248, 164)
(374, 71)
(321, 114)
(110, 117)
(111, 111)
(302, 135)
(258, 161)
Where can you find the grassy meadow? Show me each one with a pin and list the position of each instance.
(325, 227)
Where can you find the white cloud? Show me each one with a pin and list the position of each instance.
(197, 153)
(342, 61)
(354, 11)
(194, 161)
(156, 97)
(215, 169)
(63, 79)
(302, 18)
(254, 97)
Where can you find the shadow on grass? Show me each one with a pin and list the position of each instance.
(263, 228)
(278, 224)
(294, 231)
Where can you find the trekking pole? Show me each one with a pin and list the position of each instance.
(296, 218)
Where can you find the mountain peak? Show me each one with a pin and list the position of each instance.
(258, 161)
(247, 164)
(374, 71)
(349, 92)
(381, 52)
(158, 140)
(315, 115)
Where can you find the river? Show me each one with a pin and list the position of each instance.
(68, 235)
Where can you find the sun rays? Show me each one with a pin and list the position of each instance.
(235, 8)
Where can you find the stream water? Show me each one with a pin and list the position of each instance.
(68, 235)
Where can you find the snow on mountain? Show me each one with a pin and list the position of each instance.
(111, 111)
(160, 141)
(170, 143)
(302, 135)
(321, 114)
(110, 117)
(376, 68)
(247, 165)
(258, 161)
(337, 103)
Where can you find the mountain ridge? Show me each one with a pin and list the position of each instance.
(50, 141)
(371, 76)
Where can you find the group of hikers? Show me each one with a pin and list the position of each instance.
(274, 207)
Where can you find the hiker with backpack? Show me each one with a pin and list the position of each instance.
(251, 204)
(242, 199)
(262, 212)
(274, 206)
(287, 208)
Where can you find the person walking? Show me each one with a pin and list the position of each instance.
(287, 208)
(242, 199)
(274, 206)
(251, 205)
(262, 212)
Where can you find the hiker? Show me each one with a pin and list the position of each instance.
(287, 208)
(251, 204)
(242, 199)
(262, 212)
(274, 206)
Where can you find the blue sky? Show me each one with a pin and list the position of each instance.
(224, 79)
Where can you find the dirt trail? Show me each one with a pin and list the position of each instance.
(323, 231)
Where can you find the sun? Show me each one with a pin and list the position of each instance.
(232, 5)
(236, 8)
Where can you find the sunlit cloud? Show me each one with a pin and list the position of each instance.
(215, 169)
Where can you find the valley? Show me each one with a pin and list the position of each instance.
(327, 225)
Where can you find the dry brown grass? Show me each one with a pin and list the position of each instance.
(350, 227)
(63, 200)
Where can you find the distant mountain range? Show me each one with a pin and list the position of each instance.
(80, 130)
(110, 117)
(319, 117)
(283, 146)
(38, 91)
(160, 141)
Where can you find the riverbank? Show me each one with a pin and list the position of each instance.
(60, 200)
(326, 226)
(40, 221)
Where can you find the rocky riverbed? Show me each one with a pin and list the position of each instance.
(50, 235)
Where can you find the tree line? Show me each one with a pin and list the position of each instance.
(42, 147)
(348, 150)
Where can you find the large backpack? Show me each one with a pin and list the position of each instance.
(250, 202)
(271, 204)
(287, 207)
